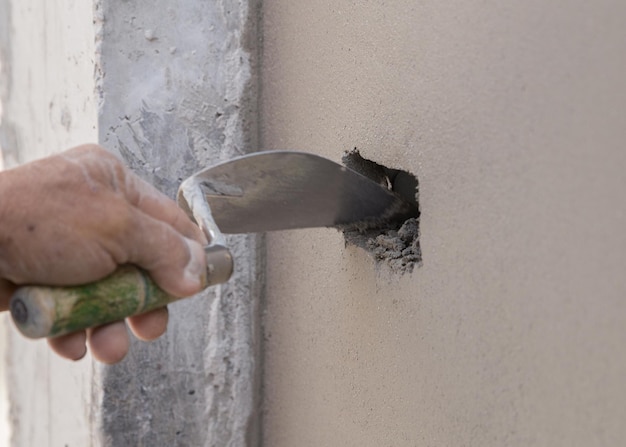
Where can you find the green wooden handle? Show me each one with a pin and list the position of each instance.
(52, 311)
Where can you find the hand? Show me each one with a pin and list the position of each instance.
(72, 218)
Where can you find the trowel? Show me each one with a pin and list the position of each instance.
(264, 191)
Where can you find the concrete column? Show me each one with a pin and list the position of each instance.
(170, 87)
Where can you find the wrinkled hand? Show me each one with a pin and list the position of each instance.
(72, 218)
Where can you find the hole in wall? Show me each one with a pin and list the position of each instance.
(396, 244)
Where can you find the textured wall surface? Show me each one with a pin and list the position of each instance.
(512, 332)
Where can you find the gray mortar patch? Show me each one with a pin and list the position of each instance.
(395, 244)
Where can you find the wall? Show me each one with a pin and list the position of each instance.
(512, 330)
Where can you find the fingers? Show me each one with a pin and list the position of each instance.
(177, 264)
(151, 325)
(163, 240)
(156, 204)
(70, 346)
(109, 343)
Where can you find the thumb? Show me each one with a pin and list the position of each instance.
(177, 264)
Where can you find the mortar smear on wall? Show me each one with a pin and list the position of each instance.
(397, 245)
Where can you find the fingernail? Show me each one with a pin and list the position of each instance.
(195, 271)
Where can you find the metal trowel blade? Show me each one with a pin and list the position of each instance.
(280, 190)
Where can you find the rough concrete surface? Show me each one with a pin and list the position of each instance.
(511, 332)
(176, 94)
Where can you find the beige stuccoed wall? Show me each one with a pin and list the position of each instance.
(512, 332)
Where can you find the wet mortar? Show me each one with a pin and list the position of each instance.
(394, 244)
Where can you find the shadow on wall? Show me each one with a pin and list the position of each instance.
(397, 244)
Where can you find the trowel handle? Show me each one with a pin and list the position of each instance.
(53, 311)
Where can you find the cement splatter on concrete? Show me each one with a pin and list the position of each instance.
(400, 249)
(395, 244)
